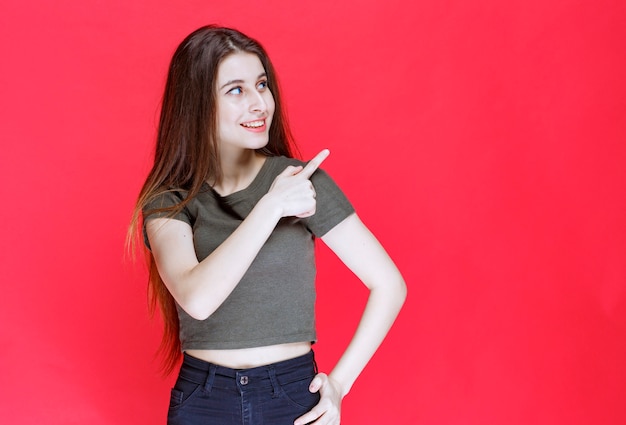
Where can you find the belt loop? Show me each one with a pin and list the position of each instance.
(208, 384)
(275, 386)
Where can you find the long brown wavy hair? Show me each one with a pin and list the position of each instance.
(187, 148)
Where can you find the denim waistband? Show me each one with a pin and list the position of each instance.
(209, 374)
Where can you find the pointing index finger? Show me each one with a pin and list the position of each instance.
(314, 164)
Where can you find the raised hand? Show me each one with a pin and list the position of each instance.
(314, 164)
(292, 191)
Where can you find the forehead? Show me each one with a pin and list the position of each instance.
(239, 66)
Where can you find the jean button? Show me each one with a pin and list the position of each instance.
(243, 380)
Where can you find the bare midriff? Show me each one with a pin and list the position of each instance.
(246, 358)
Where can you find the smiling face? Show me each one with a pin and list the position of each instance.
(245, 105)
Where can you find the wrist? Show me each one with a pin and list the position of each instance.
(269, 209)
(342, 388)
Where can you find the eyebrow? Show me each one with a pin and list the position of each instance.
(264, 74)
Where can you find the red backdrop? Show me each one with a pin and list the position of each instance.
(482, 141)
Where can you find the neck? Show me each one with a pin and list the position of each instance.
(238, 170)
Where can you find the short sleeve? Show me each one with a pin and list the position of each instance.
(332, 204)
(161, 206)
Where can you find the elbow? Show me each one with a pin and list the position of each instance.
(394, 292)
(194, 299)
(401, 292)
(399, 287)
(197, 310)
(198, 315)
(398, 291)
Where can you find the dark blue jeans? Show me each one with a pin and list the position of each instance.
(275, 394)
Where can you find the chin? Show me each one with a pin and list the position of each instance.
(259, 144)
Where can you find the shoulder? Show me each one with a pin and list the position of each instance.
(165, 197)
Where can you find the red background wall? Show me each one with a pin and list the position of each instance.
(483, 142)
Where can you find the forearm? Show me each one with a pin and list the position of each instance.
(380, 312)
(382, 308)
(201, 289)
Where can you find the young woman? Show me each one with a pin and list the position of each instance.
(230, 218)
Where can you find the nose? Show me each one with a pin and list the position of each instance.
(257, 102)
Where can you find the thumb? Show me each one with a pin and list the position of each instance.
(315, 384)
(290, 171)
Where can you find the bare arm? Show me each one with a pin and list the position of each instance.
(359, 250)
(201, 287)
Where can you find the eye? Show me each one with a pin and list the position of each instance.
(262, 85)
(235, 90)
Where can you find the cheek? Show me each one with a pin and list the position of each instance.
(271, 106)
(227, 113)
(224, 123)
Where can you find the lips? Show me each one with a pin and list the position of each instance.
(254, 124)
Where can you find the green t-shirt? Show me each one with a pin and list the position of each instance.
(274, 301)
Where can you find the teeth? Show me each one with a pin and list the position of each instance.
(254, 124)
